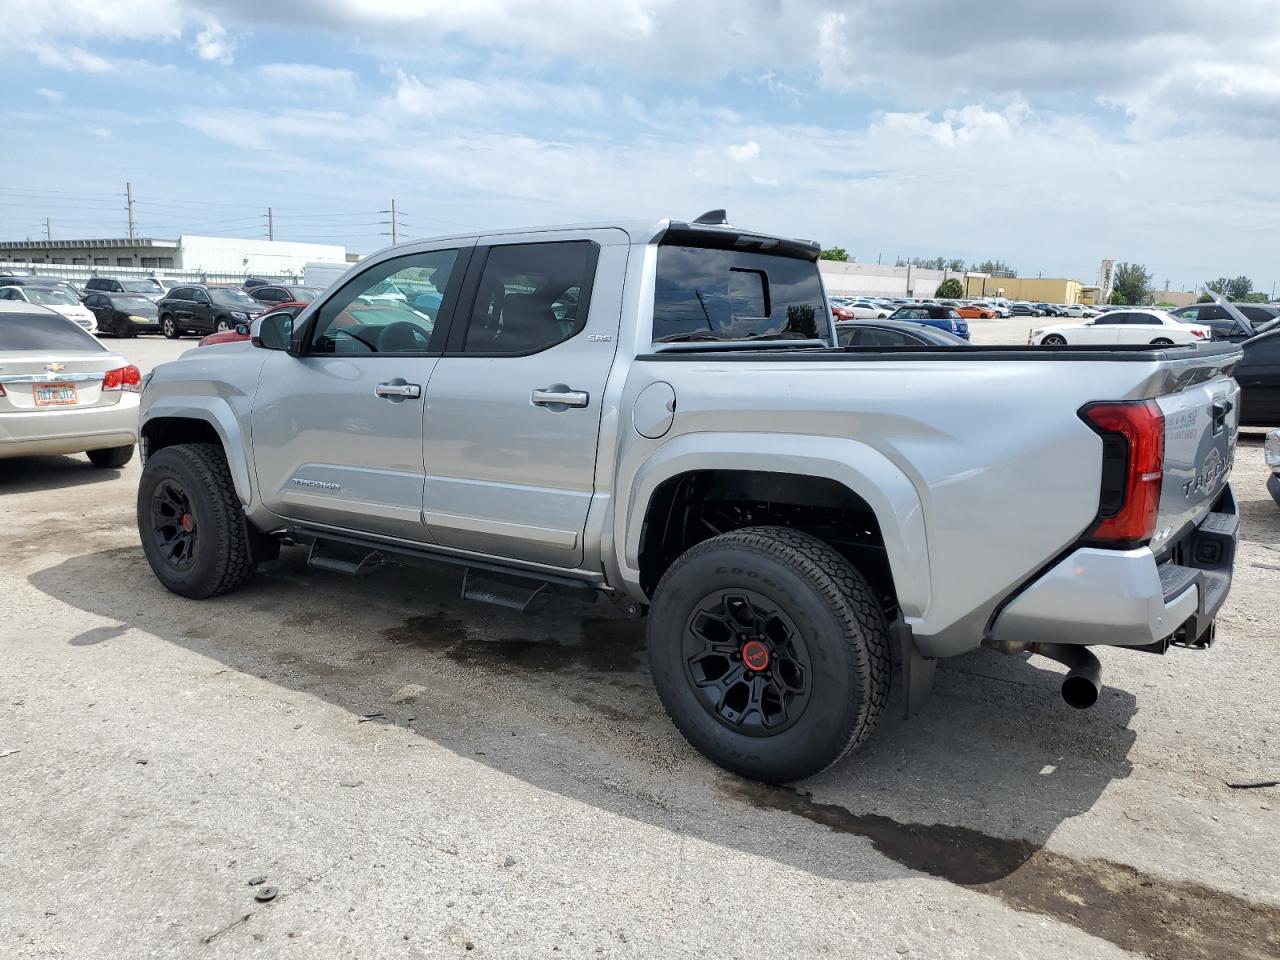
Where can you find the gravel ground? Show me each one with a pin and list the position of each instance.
(419, 777)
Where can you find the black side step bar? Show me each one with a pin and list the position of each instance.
(484, 582)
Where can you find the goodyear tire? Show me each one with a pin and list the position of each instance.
(190, 520)
(769, 652)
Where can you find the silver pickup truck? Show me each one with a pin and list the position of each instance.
(658, 412)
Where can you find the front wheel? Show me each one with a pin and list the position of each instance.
(769, 652)
(1053, 340)
(222, 326)
(169, 327)
(191, 523)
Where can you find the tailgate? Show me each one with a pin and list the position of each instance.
(1200, 426)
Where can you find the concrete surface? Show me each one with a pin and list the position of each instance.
(420, 777)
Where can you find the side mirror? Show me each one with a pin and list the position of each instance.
(242, 329)
(275, 333)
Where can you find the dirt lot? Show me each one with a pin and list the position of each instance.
(419, 777)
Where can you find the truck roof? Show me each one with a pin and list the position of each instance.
(644, 231)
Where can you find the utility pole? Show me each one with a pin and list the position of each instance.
(271, 225)
(128, 192)
(48, 230)
(394, 222)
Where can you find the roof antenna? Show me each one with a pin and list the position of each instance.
(714, 217)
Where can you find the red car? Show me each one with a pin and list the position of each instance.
(234, 336)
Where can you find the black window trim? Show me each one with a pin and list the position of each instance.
(450, 297)
(457, 335)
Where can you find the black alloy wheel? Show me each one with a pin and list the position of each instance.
(173, 524)
(747, 661)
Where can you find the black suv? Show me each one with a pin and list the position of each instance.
(141, 285)
(203, 308)
(1225, 326)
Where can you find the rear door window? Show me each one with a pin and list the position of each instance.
(533, 296)
(706, 294)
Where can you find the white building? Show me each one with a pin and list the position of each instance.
(224, 256)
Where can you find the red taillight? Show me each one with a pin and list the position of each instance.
(1, 390)
(1132, 469)
(123, 378)
(1198, 334)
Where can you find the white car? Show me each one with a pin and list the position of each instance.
(61, 391)
(867, 310)
(1128, 327)
(59, 301)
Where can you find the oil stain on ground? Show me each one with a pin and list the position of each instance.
(607, 646)
(1138, 912)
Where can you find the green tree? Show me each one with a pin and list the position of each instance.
(1231, 288)
(950, 289)
(996, 268)
(1118, 298)
(1239, 288)
(1133, 282)
(834, 253)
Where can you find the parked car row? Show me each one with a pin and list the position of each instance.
(128, 306)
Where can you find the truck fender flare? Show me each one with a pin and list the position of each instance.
(860, 468)
(215, 412)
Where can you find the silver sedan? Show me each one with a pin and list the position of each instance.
(61, 391)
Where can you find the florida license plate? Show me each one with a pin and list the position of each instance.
(55, 394)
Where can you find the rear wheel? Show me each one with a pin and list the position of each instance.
(1054, 340)
(169, 327)
(110, 458)
(190, 520)
(1162, 342)
(769, 652)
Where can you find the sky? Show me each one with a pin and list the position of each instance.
(1047, 134)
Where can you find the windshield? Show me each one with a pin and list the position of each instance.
(233, 298)
(50, 297)
(733, 295)
(45, 332)
(140, 286)
(133, 303)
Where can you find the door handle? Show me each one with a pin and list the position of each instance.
(398, 390)
(560, 396)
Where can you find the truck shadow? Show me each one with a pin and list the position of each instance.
(995, 729)
(969, 791)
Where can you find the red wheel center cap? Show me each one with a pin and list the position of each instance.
(187, 525)
(755, 655)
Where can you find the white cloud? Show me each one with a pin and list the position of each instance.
(70, 58)
(742, 152)
(53, 96)
(102, 132)
(213, 44)
(459, 95)
(309, 76)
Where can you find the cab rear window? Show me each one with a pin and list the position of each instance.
(35, 331)
(713, 294)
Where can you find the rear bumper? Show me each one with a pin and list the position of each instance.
(1125, 598)
(70, 431)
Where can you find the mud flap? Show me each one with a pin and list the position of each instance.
(917, 670)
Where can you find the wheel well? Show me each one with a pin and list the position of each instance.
(166, 431)
(695, 506)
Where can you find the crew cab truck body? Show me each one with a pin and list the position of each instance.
(657, 411)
